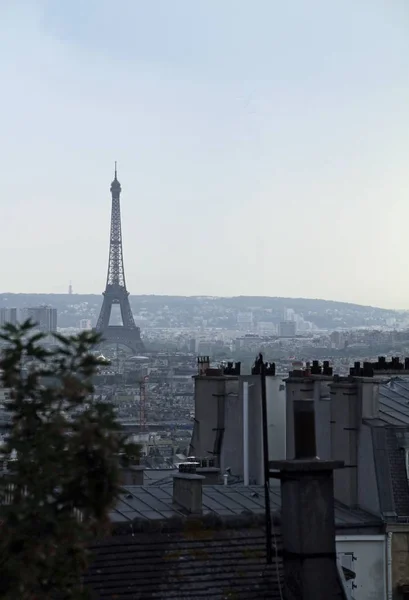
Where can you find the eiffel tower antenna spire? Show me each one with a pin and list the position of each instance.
(115, 292)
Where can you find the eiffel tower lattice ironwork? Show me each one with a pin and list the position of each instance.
(127, 334)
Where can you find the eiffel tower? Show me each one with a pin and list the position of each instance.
(127, 334)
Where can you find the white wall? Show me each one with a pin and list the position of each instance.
(367, 555)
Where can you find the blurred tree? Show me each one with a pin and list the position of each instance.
(63, 470)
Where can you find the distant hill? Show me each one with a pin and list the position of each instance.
(241, 302)
(218, 312)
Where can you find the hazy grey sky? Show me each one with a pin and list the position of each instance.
(263, 146)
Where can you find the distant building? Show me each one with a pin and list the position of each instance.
(45, 317)
(248, 342)
(85, 324)
(8, 315)
(287, 329)
(245, 321)
(337, 339)
(289, 314)
(205, 347)
(267, 327)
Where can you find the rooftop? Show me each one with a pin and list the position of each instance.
(155, 503)
(191, 563)
(394, 402)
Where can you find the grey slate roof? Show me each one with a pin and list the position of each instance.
(155, 503)
(157, 476)
(394, 402)
(390, 437)
(186, 565)
(389, 445)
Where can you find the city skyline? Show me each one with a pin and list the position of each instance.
(262, 150)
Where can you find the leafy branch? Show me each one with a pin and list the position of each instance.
(62, 453)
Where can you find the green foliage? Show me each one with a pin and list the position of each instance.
(62, 453)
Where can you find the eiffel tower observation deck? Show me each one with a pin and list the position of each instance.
(127, 334)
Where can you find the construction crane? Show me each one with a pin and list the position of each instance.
(142, 402)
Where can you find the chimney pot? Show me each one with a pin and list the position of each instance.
(189, 467)
(367, 369)
(203, 364)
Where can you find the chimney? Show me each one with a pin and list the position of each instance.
(213, 392)
(232, 368)
(310, 385)
(211, 475)
(304, 429)
(207, 468)
(203, 364)
(308, 519)
(187, 489)
(299, 389)
(345, 421)
(369, 392)
(131, 475)
(308, 529)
